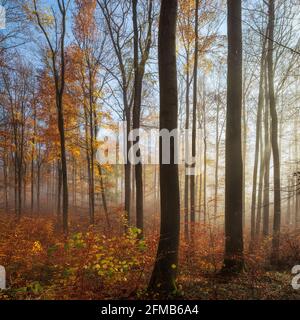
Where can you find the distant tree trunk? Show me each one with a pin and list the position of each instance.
(127, 167)
(260, 189)
(297, 195)
(88, 161)
(204, 157)
(91, 148)
(245, 133)
(297, 177)
(258, 150)
(233, 259)
(24, 185)
(38, 187)
(59, 184)
(187, 119)
(267, 156)
(103, 196)
(274, 139)
(132, 195)
(195, 85)
(163, 277)
(5, 176)
(74, 181)
(297, 214)
(217, 147)
(139, 70)
(19, 175)
(32, 158)
(288, 214)
(102, 186)
(16, 185)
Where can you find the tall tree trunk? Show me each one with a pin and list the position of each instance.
(5, 177)
(136, 121)
(267, 156)
(32, 158)
(288, 213)
(260, 189)
(59, 184)
(60, 87)
(88, 161)
(274, 139)
(258, 150)
(245, 133)
(186, 142)
(102, 186)
(163, 277)
(92, 154)
(103, 195)
(195, 85)
(38, 187)
(233, 259)
(217, 147)
(127, 168)
(205, 213)
(297, 176)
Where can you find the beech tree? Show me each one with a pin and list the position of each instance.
(57, 57)
(163, 277)
(233, 260)
(274, 137)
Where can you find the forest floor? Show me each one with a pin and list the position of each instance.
(99, 263)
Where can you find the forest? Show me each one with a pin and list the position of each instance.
(149, 149)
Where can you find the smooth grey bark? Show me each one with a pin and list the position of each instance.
(233, 257)
(163, 277)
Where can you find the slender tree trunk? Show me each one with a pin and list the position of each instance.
(5, 169)
(38, 187)
(127, 168)
(88, 161)
(288, 214)
(195, 85)
(59, 185)
(32, 181)
(163, 277)
(138, 77)
(297, 177)
(245, 133)
(217, 144)
(103, 196)
(92, 156)
(187, 119)
(267, 156)
(258, 150)
(260, 189)
(233, 259)
(205, 213)
(274, 139)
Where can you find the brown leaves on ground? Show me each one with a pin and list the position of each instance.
(42, 264)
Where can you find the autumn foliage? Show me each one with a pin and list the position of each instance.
(92, 264)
